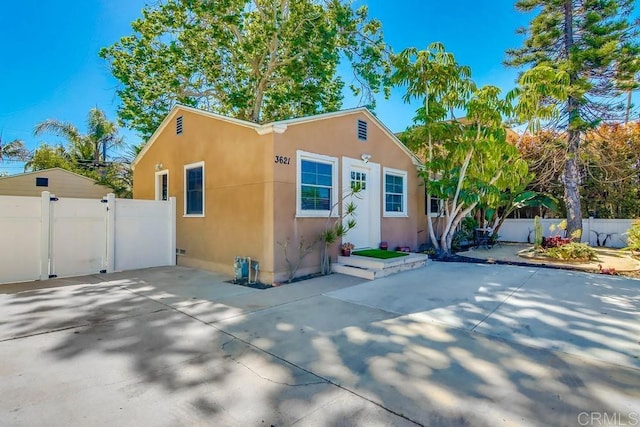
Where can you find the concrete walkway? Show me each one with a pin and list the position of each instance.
(450, 344)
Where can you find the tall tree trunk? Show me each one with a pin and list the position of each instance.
(571, 176)
(571, 180)
(628, 107)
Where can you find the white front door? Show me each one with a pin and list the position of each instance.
(366, 233)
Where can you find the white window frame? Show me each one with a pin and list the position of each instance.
(320, 158)
(184, 175)
(159, 185)
(394, 172)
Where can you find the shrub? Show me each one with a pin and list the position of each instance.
(633, 237)
(554, 241)
(573, 251)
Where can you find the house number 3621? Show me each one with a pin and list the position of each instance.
(283, 160)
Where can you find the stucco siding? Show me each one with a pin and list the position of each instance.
(238, 208)
(61, 183)
(337, 137)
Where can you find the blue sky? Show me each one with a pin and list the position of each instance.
(51, 69)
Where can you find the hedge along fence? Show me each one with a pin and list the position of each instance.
(594, 231)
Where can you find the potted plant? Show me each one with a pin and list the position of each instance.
(346, 248)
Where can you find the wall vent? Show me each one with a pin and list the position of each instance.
(42, 182)
(179, 125)
(362, 130)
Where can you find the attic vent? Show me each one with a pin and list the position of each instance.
(362, 130)
(179, 125)
(42, 182)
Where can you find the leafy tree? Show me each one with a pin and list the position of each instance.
(90, 149)
(592, 42)
(519, 198)
(467, 161)
(545, 153)
(257, 60)
(609, 165)
(13, 150)
(48, 156)
(85, 154)
(433, 76)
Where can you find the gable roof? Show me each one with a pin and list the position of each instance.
(48, 170)
(277, 126)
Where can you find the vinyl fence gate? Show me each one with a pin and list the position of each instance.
(45, 237)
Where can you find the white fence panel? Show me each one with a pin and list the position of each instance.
(517, 230)
(79, 241)
(20, 231)
(45, 237)
(144, 234)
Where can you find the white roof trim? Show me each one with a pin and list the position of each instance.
(275, 127)
(49, 170)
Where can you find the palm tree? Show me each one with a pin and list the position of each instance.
(88, 149)
(14, 150)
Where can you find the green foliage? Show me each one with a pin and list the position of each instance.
(13, 150)
(254, 60)
(467, 161)
(537, 232)
(466, 233)
(573, 251)
(89, 148)
(47, 156)
(579, 53)
(337, 228)
(633, 237)
(84, 154)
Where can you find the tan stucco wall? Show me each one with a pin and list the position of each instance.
(250, 199)
(61, 183)
(238, 209)
(337, 137)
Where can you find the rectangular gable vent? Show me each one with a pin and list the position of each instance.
(42, 182)
(179, 125)
(362, 130)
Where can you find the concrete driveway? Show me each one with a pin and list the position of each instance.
(451, 344)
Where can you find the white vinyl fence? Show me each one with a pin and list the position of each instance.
(45, 237)
(593, 231)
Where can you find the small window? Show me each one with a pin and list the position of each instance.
(162, 185)
(194, 189)
(358, 180)
(317, 184)
(42, 182)
(395, 192)
(362, 130)
(179, 125)
(436, 206)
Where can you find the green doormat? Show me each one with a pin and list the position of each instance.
(379, 253)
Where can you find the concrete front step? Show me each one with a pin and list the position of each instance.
(373, 268)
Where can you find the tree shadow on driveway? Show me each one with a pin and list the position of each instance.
(308, 360)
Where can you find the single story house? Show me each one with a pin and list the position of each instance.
(244, 189)
(58, 181)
